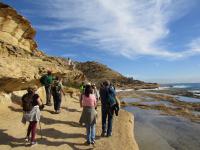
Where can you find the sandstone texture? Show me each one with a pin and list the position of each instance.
(21, 63)
(20, 69)
(15, 29)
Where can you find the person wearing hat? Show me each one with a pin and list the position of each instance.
(31, 104)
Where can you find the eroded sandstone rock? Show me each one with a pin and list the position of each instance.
(21, 63)
(15, 29)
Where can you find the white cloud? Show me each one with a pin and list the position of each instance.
(195, 45)
(123, 27)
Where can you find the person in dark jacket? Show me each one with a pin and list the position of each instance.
(107, 112)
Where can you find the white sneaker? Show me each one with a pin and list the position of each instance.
(27, 139)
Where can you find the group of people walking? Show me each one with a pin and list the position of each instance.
(89, 97)
(53, 87)
(109, 105)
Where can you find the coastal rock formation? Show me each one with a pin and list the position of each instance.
(20, 69)
(97, 73)
(21, 63)
(15, 29)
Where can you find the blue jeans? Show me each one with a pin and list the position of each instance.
(90, 129)
(106, 113)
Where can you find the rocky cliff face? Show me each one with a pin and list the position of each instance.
(15, 29)
(21, 64)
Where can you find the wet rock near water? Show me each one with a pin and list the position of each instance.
(169, 105)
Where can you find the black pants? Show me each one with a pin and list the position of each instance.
(57, 101)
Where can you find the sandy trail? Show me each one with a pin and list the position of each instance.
(62, 131)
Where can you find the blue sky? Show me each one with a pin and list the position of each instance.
(151, 40)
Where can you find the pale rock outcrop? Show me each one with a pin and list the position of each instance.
(15, 29)
(21, 64)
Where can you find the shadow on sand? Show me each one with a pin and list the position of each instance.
(13, 142)
(73, 146)
(15, 109)
(56, 134)
(49, 121)
(7, 139)
(70, 109)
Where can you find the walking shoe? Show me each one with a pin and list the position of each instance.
(33, 143)
(88, 142)
(57, 111)
(93, 142)
(109, 134)
(103, 134)
(27, 139)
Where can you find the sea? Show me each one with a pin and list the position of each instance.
(191, 87)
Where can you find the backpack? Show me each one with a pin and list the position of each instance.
(56, 88)
(27, 102)
(43, 79)
(111, 101)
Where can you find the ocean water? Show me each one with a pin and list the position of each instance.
(192, 87)
(154, 131)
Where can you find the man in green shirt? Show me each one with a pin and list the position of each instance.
(47, 81)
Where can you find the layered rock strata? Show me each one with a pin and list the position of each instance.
(15, 29)
(21, 63)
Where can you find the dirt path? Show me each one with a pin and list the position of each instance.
(62, 131)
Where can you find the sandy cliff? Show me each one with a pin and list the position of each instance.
(21, 63)
(15, 29)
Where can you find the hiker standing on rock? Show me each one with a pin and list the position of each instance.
(31, 104)
(47, 81)
(56, 89)
(89, 114)
(108, 101)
